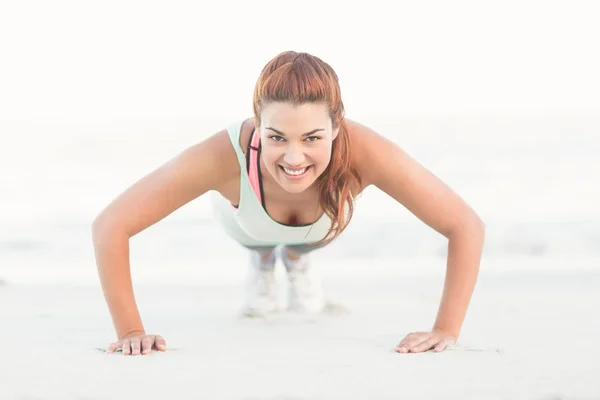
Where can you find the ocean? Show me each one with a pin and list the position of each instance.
(532, 177)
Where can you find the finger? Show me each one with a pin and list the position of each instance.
(112, 347)
(424, 346)
(402, 348)
(160, 343)
(441, 346)
(405, 348)
(135, 346)
(417, 341)
(126, 347)
(406, 339)
(147, 344)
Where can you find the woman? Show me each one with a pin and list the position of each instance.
(284, 184)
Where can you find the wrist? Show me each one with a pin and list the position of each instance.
(446, 332)
(132, 332)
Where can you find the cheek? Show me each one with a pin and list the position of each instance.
(322, 157)
(319, 156)
(270, 156)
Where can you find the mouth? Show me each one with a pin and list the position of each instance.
(295, 173)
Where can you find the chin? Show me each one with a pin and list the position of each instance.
(293, 188)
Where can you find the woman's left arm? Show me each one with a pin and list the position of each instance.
(385, 165)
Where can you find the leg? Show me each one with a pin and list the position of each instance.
(261, 285)
(295, 251)
(266, 253)
(305, 292)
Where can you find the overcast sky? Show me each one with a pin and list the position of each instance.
(86, 59)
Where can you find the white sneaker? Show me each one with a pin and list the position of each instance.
(305, 290)
(262, 297)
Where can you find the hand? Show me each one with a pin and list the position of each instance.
(138, 343)
(422, 341)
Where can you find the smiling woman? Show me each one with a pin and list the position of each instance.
(284, 183)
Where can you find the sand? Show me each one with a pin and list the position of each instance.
(529, 335)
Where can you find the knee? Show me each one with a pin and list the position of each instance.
(266, 254)
(291, 254)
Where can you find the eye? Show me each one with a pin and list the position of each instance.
(312, 139)
(276, 138)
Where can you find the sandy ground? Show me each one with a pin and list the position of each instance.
(528, 335)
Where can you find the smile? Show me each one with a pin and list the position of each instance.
(295, 173)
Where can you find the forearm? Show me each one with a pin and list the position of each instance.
(464, 257)
(112, 259)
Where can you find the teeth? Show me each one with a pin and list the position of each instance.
(292, 172)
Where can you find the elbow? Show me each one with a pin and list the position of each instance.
(479, 224)
(103, 228)
(472, 225)
(472, 221)
(98, 228)
(476, 228)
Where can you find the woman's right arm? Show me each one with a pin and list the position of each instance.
(205, 166)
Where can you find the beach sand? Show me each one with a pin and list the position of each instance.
(528, 335)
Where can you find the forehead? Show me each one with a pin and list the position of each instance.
(300, 118)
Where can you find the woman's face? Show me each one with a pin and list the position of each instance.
(296, 143)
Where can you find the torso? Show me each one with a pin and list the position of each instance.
(282, 206)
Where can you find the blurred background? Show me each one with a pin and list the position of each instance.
(500, 100)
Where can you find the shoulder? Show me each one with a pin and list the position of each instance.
(385, 165)
(212, 161)
(208, 165)
(245, 131)
(371, 151)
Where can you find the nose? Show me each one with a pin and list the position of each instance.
(294, 156)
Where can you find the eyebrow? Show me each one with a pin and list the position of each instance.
(304, 134)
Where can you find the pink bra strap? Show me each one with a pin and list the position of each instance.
(253, 164)
(252, 161)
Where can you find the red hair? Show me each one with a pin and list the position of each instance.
(300, 78)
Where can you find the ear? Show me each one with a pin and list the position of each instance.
(335, 133)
